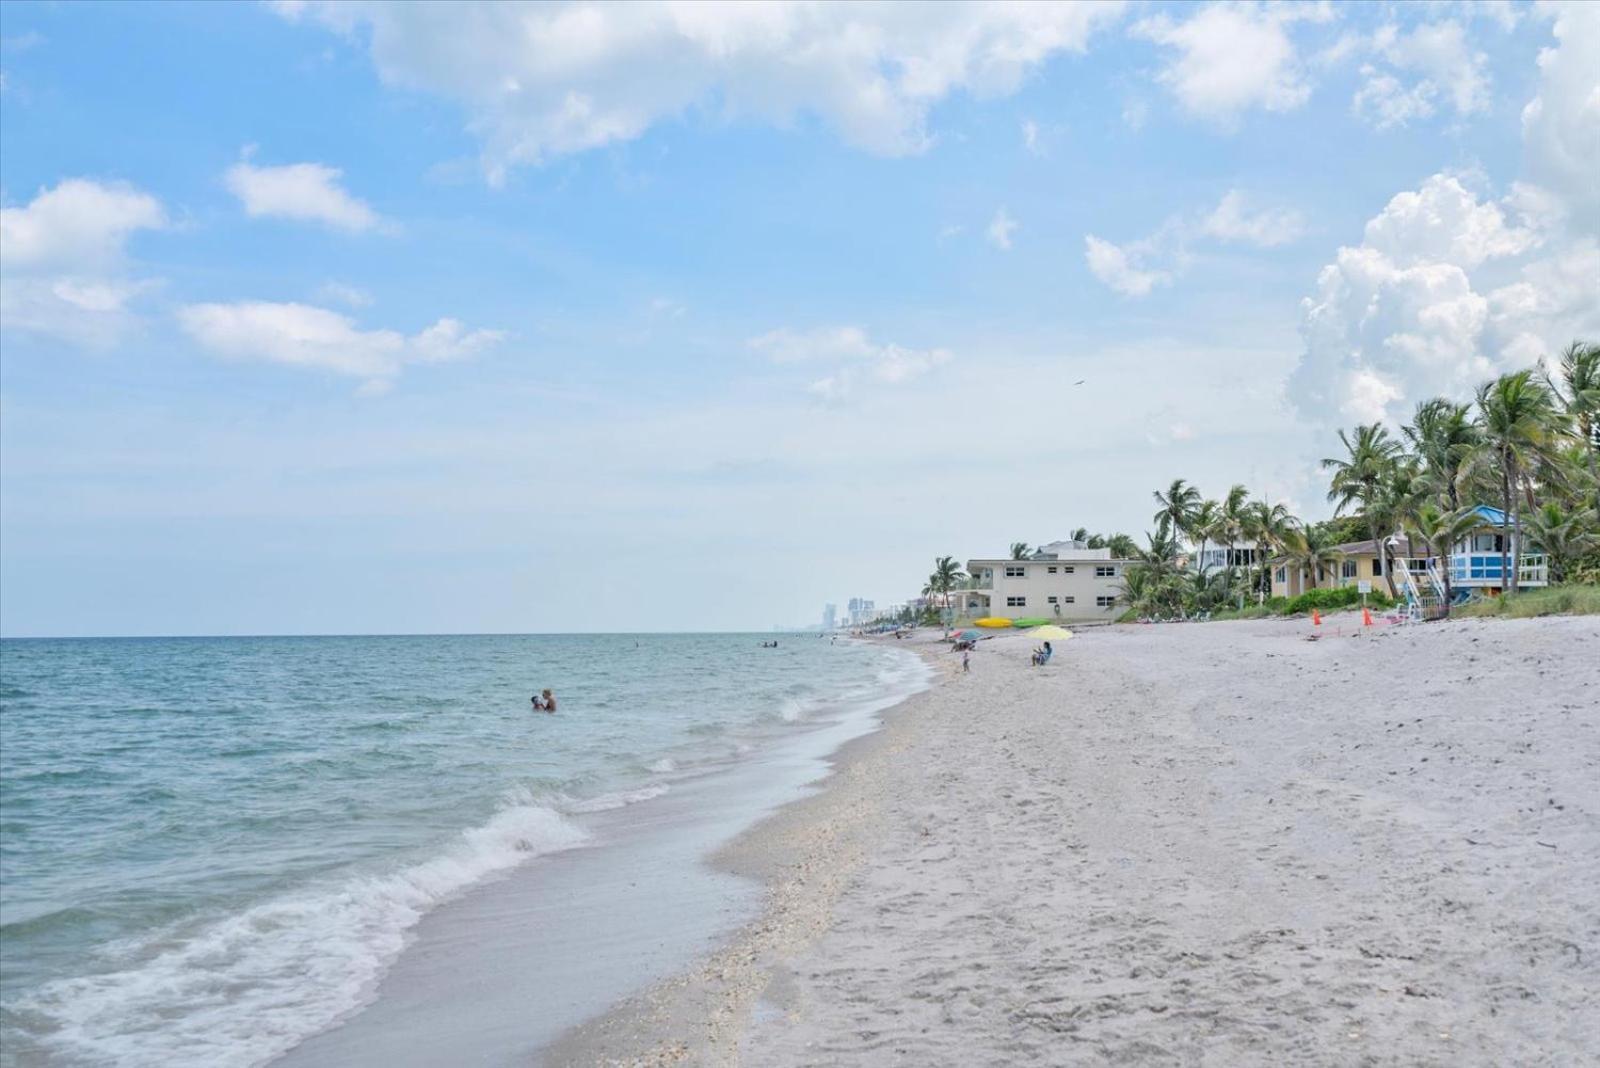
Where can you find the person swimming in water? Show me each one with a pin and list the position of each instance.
(544, 702)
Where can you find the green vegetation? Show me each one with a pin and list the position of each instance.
(1529, 444)
(1551, 601)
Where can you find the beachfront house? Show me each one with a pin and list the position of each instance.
(1062, 580)
(1473, 563)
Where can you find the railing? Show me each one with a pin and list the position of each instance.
(1483, 569)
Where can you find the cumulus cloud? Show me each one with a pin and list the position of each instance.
(1000, 229)
(1231, 57)
(1119, 267)
(1232, 220)
(306, 192)
(80, 223)
(64, 265)
(301, 335)
(1561, 124)
(857, 359)
(1443, 68)
(1449, 285)
(1415, 311)
(540, 81)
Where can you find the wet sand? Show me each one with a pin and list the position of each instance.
(1206, 844)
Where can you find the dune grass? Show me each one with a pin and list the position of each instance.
(1550, 601)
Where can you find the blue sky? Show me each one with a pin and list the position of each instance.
(377, 318)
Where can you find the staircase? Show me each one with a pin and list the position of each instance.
(1424, 600)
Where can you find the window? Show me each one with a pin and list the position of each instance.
(1105, 571)
(1066, 570)
(1280, 575)
(1016, 602)
(1105, 601)
(1418, 567)
(1053, 600)
(1377, 565)
(1016, 571)
(1052, 571)
(1069, 599)
(1347, 569)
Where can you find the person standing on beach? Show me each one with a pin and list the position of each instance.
(966, 661)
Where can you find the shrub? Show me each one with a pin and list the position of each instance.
(1327, 600)
(1566, 600)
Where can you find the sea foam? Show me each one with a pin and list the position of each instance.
(245, 988)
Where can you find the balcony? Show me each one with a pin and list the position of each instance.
(1483, 569)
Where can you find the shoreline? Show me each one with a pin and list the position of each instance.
(800, 855)
(494, 975)
(1167, 849)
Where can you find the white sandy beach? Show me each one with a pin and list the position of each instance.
(1213, 844)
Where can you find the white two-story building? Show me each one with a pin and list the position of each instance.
(1062, 580)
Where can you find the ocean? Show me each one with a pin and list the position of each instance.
(213, 848)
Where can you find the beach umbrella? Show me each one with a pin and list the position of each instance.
(965, 636)
(992, 622)
(1053, 633)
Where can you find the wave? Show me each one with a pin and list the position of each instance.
(607, 802)
(248, 987)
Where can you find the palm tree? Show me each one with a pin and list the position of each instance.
(1178, 505)
(946, 574)
(1445, 441)
(1122, 547)
(1439, 531)
(1153, 583)
(1095, 541)
(1402, 493)
(1232, 516)
(1267, 525)
(1520, 426)
(1203, 523)
(1564, 536)
(1360, 475)
(1578, 387)
(1081, 534)
(1311, 550)
(1021, 550)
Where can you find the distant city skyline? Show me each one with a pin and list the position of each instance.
(405, 318)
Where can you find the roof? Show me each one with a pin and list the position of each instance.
(1494, 517)
(1402, 547)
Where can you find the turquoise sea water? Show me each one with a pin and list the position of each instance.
(211, 848)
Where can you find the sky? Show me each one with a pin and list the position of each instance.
(413, 318)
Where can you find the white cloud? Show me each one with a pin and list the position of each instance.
(1135, 113)
(342, 293)
(857, 358)
(1446, 289)
(1135, 268)
(301, 335)
(1232, 220)
(308, 192)
(79, 224)
(1414, 310)
(1118, 268)
(1446, 69)
(1000, 229)
(1030, 136)
(547, 80)
(64, 266)
(1232, 57)
(1561, 124)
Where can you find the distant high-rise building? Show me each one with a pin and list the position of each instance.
(830, 616)
(859, 611)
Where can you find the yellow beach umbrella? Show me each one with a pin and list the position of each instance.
(1051, 633)
(992, 622)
